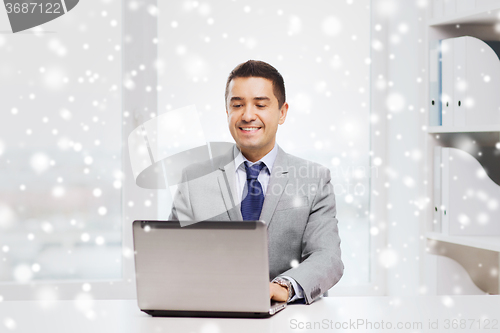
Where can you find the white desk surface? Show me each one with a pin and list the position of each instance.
(123, 316)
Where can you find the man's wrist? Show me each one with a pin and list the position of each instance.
(285, 283)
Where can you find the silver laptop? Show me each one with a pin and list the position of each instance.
(207, 269)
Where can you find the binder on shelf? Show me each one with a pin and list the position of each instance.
(460, 81)
(435, 83)
(447, 8)
(436, 222)
(450, 7)
(486, 4)
(465, 5)
(482, 100)
(437, 9)
(468, 5)
(445, 188)
(470, 199)
(470, 81)
(447, 82)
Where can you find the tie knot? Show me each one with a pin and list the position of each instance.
(253, 170)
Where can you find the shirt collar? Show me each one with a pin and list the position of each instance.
(268, 160)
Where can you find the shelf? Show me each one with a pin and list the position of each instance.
(483, 128)
(476, 16)
(478, 135)
(491, 243)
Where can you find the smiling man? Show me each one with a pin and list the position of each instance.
(254, 113)
(257, 180)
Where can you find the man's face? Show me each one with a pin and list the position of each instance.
(253, 115)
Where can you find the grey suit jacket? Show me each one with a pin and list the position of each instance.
(299, 209)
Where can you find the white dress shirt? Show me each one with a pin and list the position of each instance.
(264, 175)
(263, 178)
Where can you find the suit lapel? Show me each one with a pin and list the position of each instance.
(276, 187)
(227, 184)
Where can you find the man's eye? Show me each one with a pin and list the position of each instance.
(236, 105)
(261, 106)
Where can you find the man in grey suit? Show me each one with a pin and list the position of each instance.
(256, 179)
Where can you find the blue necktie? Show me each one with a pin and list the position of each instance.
(253, 195)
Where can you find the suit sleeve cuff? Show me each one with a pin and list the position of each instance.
(298, 291)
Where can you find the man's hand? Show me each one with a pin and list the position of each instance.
(278, 293)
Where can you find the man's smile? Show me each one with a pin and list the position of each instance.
(249, 129)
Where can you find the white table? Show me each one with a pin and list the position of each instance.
(124, 316)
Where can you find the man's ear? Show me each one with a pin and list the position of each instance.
(283, 112)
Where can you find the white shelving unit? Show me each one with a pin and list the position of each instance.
(478, 21)
(469, 129)
(491, 243)
(484, 15)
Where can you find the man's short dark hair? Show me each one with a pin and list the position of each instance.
(257, 68)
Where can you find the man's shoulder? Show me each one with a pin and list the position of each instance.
(295, 160)
(300, 166)
(209, 165)
(200, 168)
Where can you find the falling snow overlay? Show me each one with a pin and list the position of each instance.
(322, 54)
(60, 149)
(357, 75)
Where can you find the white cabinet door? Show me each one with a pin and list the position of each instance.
(447, 81)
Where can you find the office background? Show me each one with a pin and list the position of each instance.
(74, 88)
(323, 58)
(63, 178)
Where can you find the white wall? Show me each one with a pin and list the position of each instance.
(399, 101)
